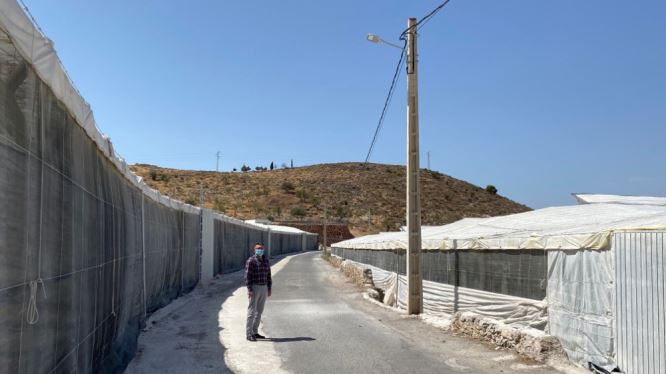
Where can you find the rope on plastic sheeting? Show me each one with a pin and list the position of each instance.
(32, 314)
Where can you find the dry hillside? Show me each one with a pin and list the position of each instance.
(369, 197)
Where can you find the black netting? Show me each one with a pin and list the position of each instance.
(72, 236)
(519, 273)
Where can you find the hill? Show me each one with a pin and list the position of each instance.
(369, 197)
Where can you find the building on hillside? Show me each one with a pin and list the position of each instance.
(593, 275)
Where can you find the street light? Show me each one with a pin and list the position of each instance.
(414, 276)
(376, 39)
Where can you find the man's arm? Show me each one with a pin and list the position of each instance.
(249, 274)
(269, 281)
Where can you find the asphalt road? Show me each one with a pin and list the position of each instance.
(318, 322)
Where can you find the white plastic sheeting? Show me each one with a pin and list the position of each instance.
(584, 198)
(277, 228)
(580, 299)
(588, 226)
(38, 50)
(441, 299)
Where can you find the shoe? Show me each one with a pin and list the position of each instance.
(259, 336)
(252, 338)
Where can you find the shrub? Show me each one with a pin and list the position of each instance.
(153, 175)
(302, 194)
(492, 189)
(298, 212)
(287, 187)
(192, 201)
(245, 168)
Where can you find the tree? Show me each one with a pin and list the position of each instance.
(492, 189)
(272, 165)
(284, 166)
(245, 168)
(292, 163)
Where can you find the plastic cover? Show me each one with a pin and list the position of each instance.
(580, 304)
(588, 226)
(445, 300)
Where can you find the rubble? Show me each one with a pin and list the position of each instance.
(528, 342)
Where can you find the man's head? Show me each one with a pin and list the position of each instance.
(259, 249)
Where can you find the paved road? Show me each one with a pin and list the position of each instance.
(319, 323)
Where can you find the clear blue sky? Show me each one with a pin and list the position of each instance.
(539, 98)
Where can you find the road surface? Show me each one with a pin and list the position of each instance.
(317, 322)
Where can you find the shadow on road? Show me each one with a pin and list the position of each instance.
(287, 340)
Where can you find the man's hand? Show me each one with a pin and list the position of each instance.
(269, 293)
(250, 294)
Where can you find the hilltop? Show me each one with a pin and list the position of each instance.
(369, 197)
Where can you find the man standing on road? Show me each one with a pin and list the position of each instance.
(259, 283)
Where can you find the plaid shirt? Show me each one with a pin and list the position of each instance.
(257, 271)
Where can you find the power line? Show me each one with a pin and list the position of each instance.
(418, 26)
(387, 102)
(424, 20)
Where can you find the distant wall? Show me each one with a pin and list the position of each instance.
(335, 232)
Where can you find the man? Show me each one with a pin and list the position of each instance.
(259, 283)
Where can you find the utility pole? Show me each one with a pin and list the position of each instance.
(325, 230)
(428, 153)
(217, 165)
(414, 276)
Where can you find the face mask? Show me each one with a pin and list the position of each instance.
(259, 252)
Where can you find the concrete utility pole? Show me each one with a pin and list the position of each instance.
(414, 276)
(428, 153)
(325, 229)
(217, 165)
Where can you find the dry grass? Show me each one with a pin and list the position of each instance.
(369, 197)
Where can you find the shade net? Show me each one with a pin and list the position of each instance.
(73, 232)
(521, 273)
(234, 243)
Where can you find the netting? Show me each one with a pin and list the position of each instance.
(87, 251)
(234, 241)
(73, 232)
(521, 273)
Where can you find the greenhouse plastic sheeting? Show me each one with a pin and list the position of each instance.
(75, 226)
(585, 198)
(520, 273)
(445, 300)
(580, 304)
(587, 226)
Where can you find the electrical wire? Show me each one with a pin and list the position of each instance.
(387, 102)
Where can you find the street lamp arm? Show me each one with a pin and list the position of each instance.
(376, 39)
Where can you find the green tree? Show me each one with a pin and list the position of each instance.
(492, 189)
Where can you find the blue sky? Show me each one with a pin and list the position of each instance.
(537, 98)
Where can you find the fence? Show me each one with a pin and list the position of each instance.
(87, 251)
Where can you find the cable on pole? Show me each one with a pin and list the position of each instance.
(418, 26)
(387, 102)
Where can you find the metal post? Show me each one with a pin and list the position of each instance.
(217, 165)
(414, 277)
